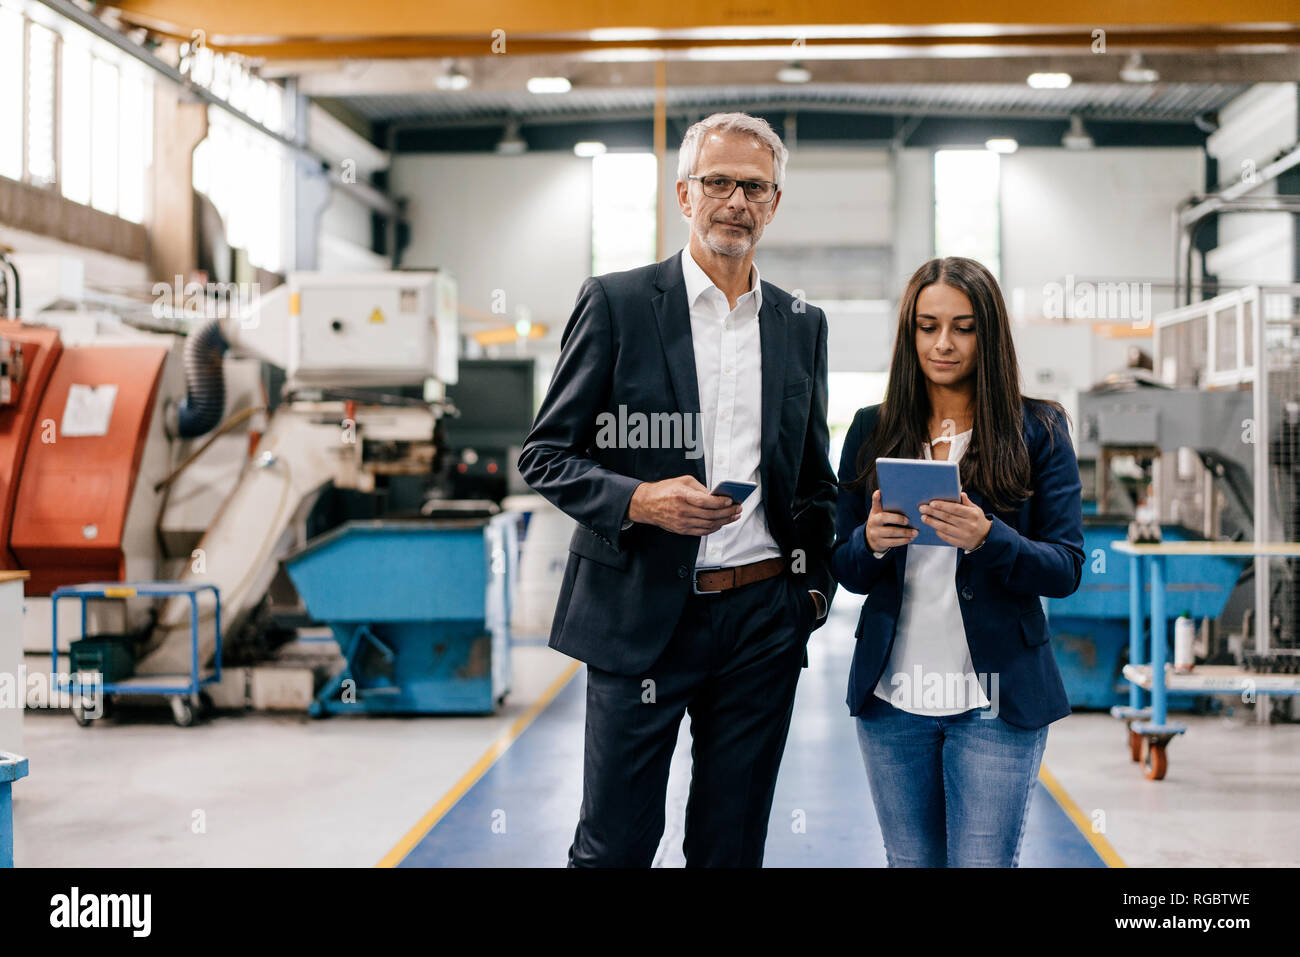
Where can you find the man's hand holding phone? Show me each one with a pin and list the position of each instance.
(681, 505)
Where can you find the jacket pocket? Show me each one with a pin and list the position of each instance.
(588, 544)
(1033, 628)
(874, 619)
(797, 387)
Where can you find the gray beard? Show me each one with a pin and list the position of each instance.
(735, 249)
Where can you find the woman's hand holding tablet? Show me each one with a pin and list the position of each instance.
(886, 529)
(963, 523)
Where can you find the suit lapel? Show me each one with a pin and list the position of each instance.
(772, 333)
(673, 316)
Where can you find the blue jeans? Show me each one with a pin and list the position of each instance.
(949, 791)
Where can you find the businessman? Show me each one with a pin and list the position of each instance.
(672, 378)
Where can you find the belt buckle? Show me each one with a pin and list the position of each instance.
(695, 580)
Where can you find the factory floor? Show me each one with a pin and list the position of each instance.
(269, 790)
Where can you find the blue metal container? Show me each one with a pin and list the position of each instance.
(1090, 628)
(420, 609)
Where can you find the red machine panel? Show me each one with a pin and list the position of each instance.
(74, 492)
(40, 351)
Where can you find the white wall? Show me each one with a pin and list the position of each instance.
(1100, 214)
(343, 243)
(913, 214)
(519, 224)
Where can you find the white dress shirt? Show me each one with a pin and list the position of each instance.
(729, 372)
(930, 648)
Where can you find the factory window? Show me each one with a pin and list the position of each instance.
(11, 93)
(240, 170)
(103, 136)
(41, 87)
(81, 114)
(966, 209)
(136, 117)
(74, 172)
(624, 190)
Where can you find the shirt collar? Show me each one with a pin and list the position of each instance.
(698, 281)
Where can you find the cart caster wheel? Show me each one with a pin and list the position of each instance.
(1135, 742)
(79, 715)
(1156, 763)
(206, 707)
(184, 714)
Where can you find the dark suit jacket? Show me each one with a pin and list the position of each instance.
(1035, 550)
(628, 343)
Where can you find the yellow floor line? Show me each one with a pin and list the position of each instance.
(498, 748)
(1081, 820)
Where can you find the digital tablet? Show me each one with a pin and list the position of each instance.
(907, 484)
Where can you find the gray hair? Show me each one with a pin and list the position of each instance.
(754, 126)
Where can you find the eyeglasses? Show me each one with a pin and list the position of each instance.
(721, 187)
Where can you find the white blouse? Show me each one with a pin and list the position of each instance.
(930, 670)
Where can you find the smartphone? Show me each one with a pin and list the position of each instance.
(736, 491)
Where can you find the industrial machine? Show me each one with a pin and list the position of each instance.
(1124, 428)
(492, 412)
(1196, 448)
(152, 451)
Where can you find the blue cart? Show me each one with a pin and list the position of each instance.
(12, 767)
(1149, 727)
(184, 692)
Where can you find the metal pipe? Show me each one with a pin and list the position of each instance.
(1186, 224)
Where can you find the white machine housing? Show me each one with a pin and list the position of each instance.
(355, 329)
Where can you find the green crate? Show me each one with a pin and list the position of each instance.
(110, 655)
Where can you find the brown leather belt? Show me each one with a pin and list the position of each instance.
(709, 580)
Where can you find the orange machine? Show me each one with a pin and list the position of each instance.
(40, 351)
(69, 514)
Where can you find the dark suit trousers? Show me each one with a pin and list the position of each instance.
(733, 663)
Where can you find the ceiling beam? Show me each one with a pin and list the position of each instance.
(523, 18)
(510, 74)
(810, 49)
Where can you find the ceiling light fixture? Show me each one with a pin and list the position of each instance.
(451, 80)
(1135, 70)
(1049, 81)
(794, 73)
(549, 84)
(511, 143)
(1076, 137)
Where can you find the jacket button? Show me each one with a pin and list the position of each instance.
(681, 571)
(967, 593)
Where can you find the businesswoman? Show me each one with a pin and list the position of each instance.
(953, 683)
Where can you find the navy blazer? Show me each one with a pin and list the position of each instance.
(1037, 549)
(628, 349)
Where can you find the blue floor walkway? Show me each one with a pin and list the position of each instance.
(522, 811)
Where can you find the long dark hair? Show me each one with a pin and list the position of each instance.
(996, 461)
